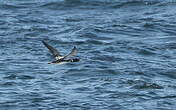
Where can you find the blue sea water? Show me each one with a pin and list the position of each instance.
(127, 50)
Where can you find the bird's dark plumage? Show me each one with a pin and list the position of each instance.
(52, 50)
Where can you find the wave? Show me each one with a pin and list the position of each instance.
(83, 4)
(10, 6)
(97, 3)
(63, 4)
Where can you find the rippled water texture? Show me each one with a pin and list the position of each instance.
(127, 50)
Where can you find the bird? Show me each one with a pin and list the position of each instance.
(59, 59)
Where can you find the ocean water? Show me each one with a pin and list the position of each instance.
(127, 50)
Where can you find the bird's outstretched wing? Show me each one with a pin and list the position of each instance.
(54, 51)
(72, 53)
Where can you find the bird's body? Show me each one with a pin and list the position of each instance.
(59, 59)
(64, 61)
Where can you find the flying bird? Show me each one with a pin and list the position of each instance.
(59, 59)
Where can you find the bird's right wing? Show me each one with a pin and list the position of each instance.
(54, 51)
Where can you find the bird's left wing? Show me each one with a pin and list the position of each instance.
(54, 51)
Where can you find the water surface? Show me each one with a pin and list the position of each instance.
(127, 50)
